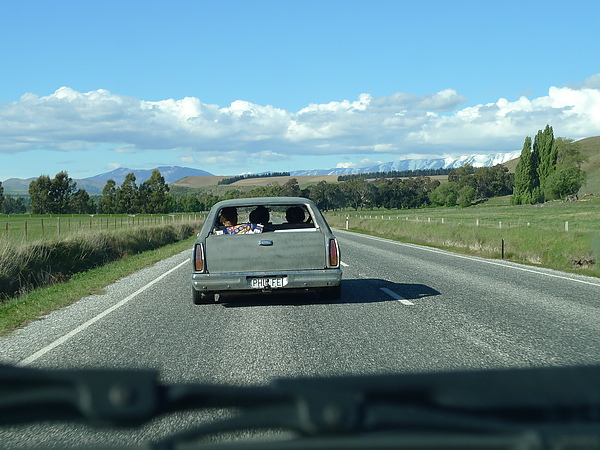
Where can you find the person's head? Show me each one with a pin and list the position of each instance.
(294, 214)
(228, 216)
(259, 215)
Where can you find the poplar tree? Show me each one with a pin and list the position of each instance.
(548, 152)
(524, 176)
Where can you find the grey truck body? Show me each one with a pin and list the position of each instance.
(279, 257)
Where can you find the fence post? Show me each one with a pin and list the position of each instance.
(567, 226)
(25, 231)
(500, 224)
(43, 230)
(347, 220)
(58, 226)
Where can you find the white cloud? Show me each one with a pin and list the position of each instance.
(113, 166)
(398, 124)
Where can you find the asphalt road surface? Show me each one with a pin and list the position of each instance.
(404, 308)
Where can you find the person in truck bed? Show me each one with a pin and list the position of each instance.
(228, 217)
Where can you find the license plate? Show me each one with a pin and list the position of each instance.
(273, 282)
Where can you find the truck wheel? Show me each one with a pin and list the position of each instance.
(332, 293)
(202, 298)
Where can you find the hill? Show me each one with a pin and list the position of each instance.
(590, 147)
(205, 181)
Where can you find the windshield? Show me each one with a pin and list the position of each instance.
(236, 192)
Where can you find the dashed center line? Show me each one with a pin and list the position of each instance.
(397, 297)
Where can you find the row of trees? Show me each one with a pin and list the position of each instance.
(11, 205)
(464, 187)
(150, 197)
(60, 195)
(547, 170)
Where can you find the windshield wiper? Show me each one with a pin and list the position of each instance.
(476, 403)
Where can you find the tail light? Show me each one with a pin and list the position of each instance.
(334, 253)
(199, 265)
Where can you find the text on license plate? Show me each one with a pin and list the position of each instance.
(273, 282)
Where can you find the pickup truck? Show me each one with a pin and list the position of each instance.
(272, 244)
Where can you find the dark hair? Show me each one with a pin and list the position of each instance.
(294, 214)
(229, 213)
(259, 215)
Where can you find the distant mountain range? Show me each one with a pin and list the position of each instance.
(171, 174)
(418, 164)
(95, 184)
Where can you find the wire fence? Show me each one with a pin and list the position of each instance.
(505, 223)
(29, 227)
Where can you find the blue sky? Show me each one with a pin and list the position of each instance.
(247, 86)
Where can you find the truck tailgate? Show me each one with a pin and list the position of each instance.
(264, 252)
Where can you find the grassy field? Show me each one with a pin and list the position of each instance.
(562, 236)
(31, 227)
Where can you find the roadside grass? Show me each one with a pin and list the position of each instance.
(533, 235)
(27, 265)
(18, 228)
(17, 312)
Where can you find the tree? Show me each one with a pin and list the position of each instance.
(108, 201)
(466, 196)
(39, 194)
(445, 194)
(13, 206)
(544, 146)
(564, 182)
(189, 203)
(461, 175)
(1, 196)
(154, 194)
(128, 196)
(493, 181)
(291, 188)
(525, 173)
(568, 153)
(62, 188)
(82, 203)
(359, 192)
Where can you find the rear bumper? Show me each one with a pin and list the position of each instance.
(238, 282)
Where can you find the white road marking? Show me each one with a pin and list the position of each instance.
(344, 264)
(397, 297)
(475, 258)
(93, 320)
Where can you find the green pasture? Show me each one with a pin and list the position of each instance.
(562, 236)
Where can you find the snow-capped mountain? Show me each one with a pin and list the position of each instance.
(418, 164)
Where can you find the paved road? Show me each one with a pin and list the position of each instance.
(404, 308)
